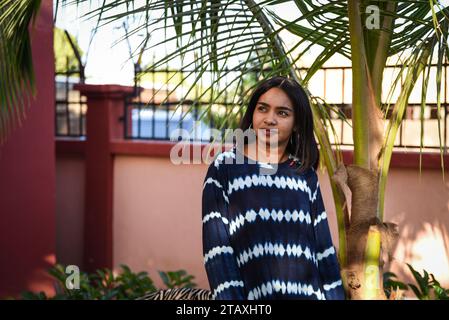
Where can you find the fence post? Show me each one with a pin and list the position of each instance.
(105, 106)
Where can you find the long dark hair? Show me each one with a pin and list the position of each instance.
(304, 146)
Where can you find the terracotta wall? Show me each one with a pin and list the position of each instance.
(157, 215)
(69, 209)
(420, 206)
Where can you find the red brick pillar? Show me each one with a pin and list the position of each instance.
(105, 107)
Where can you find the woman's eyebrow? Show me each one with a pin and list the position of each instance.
(279, 107)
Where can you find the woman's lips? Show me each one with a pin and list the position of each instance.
(269, 132)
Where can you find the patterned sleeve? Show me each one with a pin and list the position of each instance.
(326, 254)
(219, 259)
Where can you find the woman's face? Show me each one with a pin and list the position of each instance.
(274, 116)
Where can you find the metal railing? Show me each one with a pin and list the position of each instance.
(70, 106)
(150, 114)
(410, 129)
(161, 112)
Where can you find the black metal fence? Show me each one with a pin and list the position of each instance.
(71, 107)
(410, 130)
(151, 114)
(156, 113)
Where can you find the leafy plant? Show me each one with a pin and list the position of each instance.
(105, 285)
(177, 279)
(392, 284)
(426, 287)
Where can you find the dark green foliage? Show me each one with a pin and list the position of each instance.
(105, 285)
(426, 287)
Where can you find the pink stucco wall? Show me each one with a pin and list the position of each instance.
(419, 204)
(157, 216)
(69, 209)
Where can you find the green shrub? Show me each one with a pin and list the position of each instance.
(104, 285)
(425, 288)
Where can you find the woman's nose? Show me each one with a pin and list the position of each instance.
(270, 121)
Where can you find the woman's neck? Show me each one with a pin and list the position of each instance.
(267, 154)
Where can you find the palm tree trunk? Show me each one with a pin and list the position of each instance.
(362, 270)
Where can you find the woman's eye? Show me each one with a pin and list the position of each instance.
(283, 113)
(261, 108)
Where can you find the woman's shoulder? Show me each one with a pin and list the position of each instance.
(311, 176)
(222, 158)
(296, 165)
(217, 164)
(308, 175)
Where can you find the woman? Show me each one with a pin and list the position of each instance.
(266, 236)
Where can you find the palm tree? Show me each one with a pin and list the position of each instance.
(233, 37)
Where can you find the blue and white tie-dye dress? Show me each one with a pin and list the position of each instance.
(266, 236)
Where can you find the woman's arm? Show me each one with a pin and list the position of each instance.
(326, 254)
(219, 259)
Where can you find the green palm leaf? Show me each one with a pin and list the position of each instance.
(16, 68)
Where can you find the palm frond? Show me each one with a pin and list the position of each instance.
(16, 66)
(417, 64)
